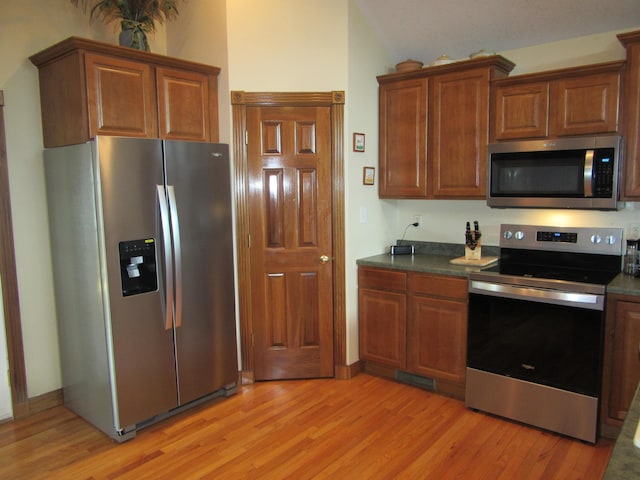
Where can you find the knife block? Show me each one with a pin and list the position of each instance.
(475, 254)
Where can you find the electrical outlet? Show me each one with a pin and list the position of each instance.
(418, 219)
(633, 231)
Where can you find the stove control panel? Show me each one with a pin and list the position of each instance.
(598, 240)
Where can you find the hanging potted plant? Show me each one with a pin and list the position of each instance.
(137, 17)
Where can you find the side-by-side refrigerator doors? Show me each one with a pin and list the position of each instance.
(142, 348)
(199, 190)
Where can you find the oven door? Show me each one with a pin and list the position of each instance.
(555, 341)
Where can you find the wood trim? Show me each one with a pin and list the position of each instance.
(240, 100)
(13, 327)
(76, 43)
(338, 229)
(214, 120)
(284, 99)
(629, 37)
(347, 372)
(560, 74)
(239, 113)
(500, 63)
(38, 404)
(44, 402)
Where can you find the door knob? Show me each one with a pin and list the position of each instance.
(324, 259)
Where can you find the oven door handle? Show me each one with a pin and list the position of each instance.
(572, 299)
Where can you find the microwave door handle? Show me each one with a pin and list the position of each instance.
(588, 173)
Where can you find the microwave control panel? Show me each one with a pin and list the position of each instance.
(603, 173)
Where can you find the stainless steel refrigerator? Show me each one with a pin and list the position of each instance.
(142, 248)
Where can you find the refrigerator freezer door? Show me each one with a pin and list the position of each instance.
(198, 174)
(142, 350)
(71, 194)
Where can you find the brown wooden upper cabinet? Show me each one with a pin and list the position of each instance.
(433, 129)
(572, 101)
(631, 167)
(90, 88)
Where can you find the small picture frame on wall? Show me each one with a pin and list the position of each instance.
(358, 142)
(368, 175)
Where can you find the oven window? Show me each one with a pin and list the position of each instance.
(538, 174)
(547, 344)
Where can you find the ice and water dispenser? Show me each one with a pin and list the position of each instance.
(138, 266)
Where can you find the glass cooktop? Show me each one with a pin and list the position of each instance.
(571, 267)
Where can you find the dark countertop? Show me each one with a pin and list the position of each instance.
(429, 258)
(435, 257)
(624, 285)
(624, 463)
(425, 263)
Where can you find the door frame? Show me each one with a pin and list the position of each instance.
(13, 326)
(335, 100)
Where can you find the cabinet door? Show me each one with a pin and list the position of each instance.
(632, 128)
(402, 131)
(586, 104)
(121, 97)
(458, 118)
(521, 111)
(437, 335)
(183, 103)
(625, 363)
(382, 325)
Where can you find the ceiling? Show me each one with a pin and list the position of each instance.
(425, 29)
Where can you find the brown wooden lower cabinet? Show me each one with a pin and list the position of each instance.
(416, 323)
(621, 360)
(382, 307)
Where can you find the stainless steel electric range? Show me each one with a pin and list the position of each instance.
(536, 327)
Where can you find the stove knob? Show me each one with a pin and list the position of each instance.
(596, 239)
(519, 235)
(610, 240)
(507, 234)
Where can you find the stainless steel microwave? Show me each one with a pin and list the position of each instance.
(577, 172)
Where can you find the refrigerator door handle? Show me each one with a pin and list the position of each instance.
(166, 242)
(177, 250)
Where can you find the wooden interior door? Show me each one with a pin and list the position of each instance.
(289, 163)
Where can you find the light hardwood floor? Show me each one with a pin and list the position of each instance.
(364, 428)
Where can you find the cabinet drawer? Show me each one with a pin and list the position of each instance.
(438, 286)
(381, 279)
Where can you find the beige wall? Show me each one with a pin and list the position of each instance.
(27, 27)
(367, 58)
(280, 45)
